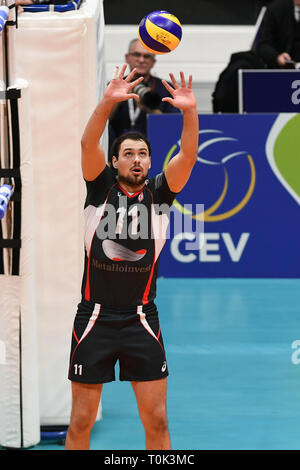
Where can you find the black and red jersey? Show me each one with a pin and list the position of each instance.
(124, 236)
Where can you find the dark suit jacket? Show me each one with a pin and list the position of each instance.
(277, 34)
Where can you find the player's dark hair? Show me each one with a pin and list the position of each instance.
(115, 148)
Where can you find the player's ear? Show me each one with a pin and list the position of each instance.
(114, 161)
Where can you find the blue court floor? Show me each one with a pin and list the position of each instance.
(234, 374)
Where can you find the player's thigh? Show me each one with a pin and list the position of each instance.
(151, 397)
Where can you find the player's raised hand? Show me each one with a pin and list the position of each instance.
(182, 96)
(119, 87)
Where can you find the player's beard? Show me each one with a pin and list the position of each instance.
(133, 180)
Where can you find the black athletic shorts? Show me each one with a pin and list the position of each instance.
(102, 336)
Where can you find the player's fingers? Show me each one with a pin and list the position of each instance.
(168, 100)
(123, 71)
(133, 95)
(115, 73)
(136, 82)
(190, 81)
(175, 84)
(183, 84)
(168, 87)
(131, 75)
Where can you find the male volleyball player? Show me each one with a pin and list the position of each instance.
(117, 318)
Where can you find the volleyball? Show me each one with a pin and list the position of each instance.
(160, 32)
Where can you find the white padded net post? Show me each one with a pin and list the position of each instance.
(61, 56)
(19, 394)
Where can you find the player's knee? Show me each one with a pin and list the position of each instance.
(155, 421)
(81, 423)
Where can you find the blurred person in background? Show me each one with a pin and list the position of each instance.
(279, 42)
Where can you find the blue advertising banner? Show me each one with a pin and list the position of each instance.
(269, 91)
(240, 210)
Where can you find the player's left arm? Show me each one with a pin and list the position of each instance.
(180, 167)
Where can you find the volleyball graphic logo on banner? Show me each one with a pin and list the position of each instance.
(211, 160)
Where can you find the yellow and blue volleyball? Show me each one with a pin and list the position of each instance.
(160, 32)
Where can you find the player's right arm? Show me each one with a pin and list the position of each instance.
(92, 153)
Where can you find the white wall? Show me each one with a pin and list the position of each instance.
(204, 51)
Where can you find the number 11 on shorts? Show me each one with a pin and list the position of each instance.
(78, 369)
